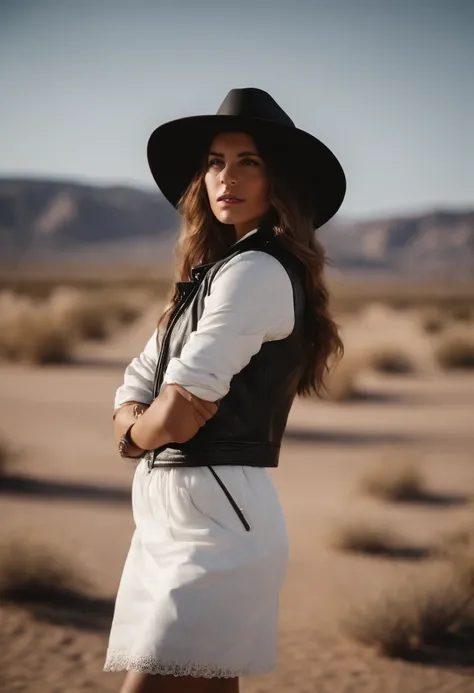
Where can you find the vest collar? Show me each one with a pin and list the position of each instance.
(252, 240)
(249, 233)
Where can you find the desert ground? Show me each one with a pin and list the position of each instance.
(70, 491)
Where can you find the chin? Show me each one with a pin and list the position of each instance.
(229, 217)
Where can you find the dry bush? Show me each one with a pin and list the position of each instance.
(50, 586)
(373, 540)
(81, 313)
(456, 544)
(42, 332)
(392, 358)
(341, 381)
(390, 340)
(456, 350)
(46, 341)
(95, 314)
(134, 302)
(425, 620)
(462, 564)
(115, 307)
(30, 572)
(14, 309)
(433, 320)
(29, 333)
(395, 479)
(461, 313)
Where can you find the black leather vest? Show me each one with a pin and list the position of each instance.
(248, 426)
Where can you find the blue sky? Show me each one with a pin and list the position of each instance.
(386, 84)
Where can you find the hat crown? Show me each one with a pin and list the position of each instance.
(250, 102)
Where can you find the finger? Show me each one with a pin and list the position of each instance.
(202, 413)
(211, 407)
(207, 409)
(200, 420)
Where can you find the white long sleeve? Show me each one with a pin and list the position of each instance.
(139, 375)
(251, 301)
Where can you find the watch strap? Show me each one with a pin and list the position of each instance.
(126, 442)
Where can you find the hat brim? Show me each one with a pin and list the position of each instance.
(175, 150)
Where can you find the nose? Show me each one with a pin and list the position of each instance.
(228, 176)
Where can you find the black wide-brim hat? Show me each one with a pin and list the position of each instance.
(176, 149)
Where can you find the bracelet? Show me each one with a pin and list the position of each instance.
(126, 442)
(136, 411)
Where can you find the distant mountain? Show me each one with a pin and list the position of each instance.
(438, 242)
(46, 220)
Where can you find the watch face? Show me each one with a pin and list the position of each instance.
(122, 446)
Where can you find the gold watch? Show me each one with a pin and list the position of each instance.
(126, 441)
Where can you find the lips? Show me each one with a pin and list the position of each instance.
(229, 198)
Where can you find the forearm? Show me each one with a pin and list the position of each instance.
(148, 434)
(175, 416)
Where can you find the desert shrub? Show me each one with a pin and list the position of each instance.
(433, 321)
(421, 620)
(395, 479)
(47, 583)
(94, 314)
(456, 350)
(80, 313)
(47, 342)
(456, 544)
(392, 359)
(120, 307)
(342, 379)
(461, 313)
(31, 572)
(371, 539)
(30, 334)
(46, 331)
(391, 341)
(14, 312)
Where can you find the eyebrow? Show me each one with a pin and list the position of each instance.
(239, 154)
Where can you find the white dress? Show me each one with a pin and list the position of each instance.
(199, 594)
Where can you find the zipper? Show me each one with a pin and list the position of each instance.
(238, 510)
(196, 273)
(166, 337)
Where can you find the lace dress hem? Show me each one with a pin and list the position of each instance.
(121, 661)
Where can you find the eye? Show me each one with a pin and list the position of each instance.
(250, 161)
(212, 162)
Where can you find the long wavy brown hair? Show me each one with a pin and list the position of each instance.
(203, 239)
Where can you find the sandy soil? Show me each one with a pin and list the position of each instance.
(78, 501)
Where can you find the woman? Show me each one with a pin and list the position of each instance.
(205, 405)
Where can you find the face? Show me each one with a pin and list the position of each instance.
(235, 170)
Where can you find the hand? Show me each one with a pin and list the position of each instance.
(203, 409)
(175, 416)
